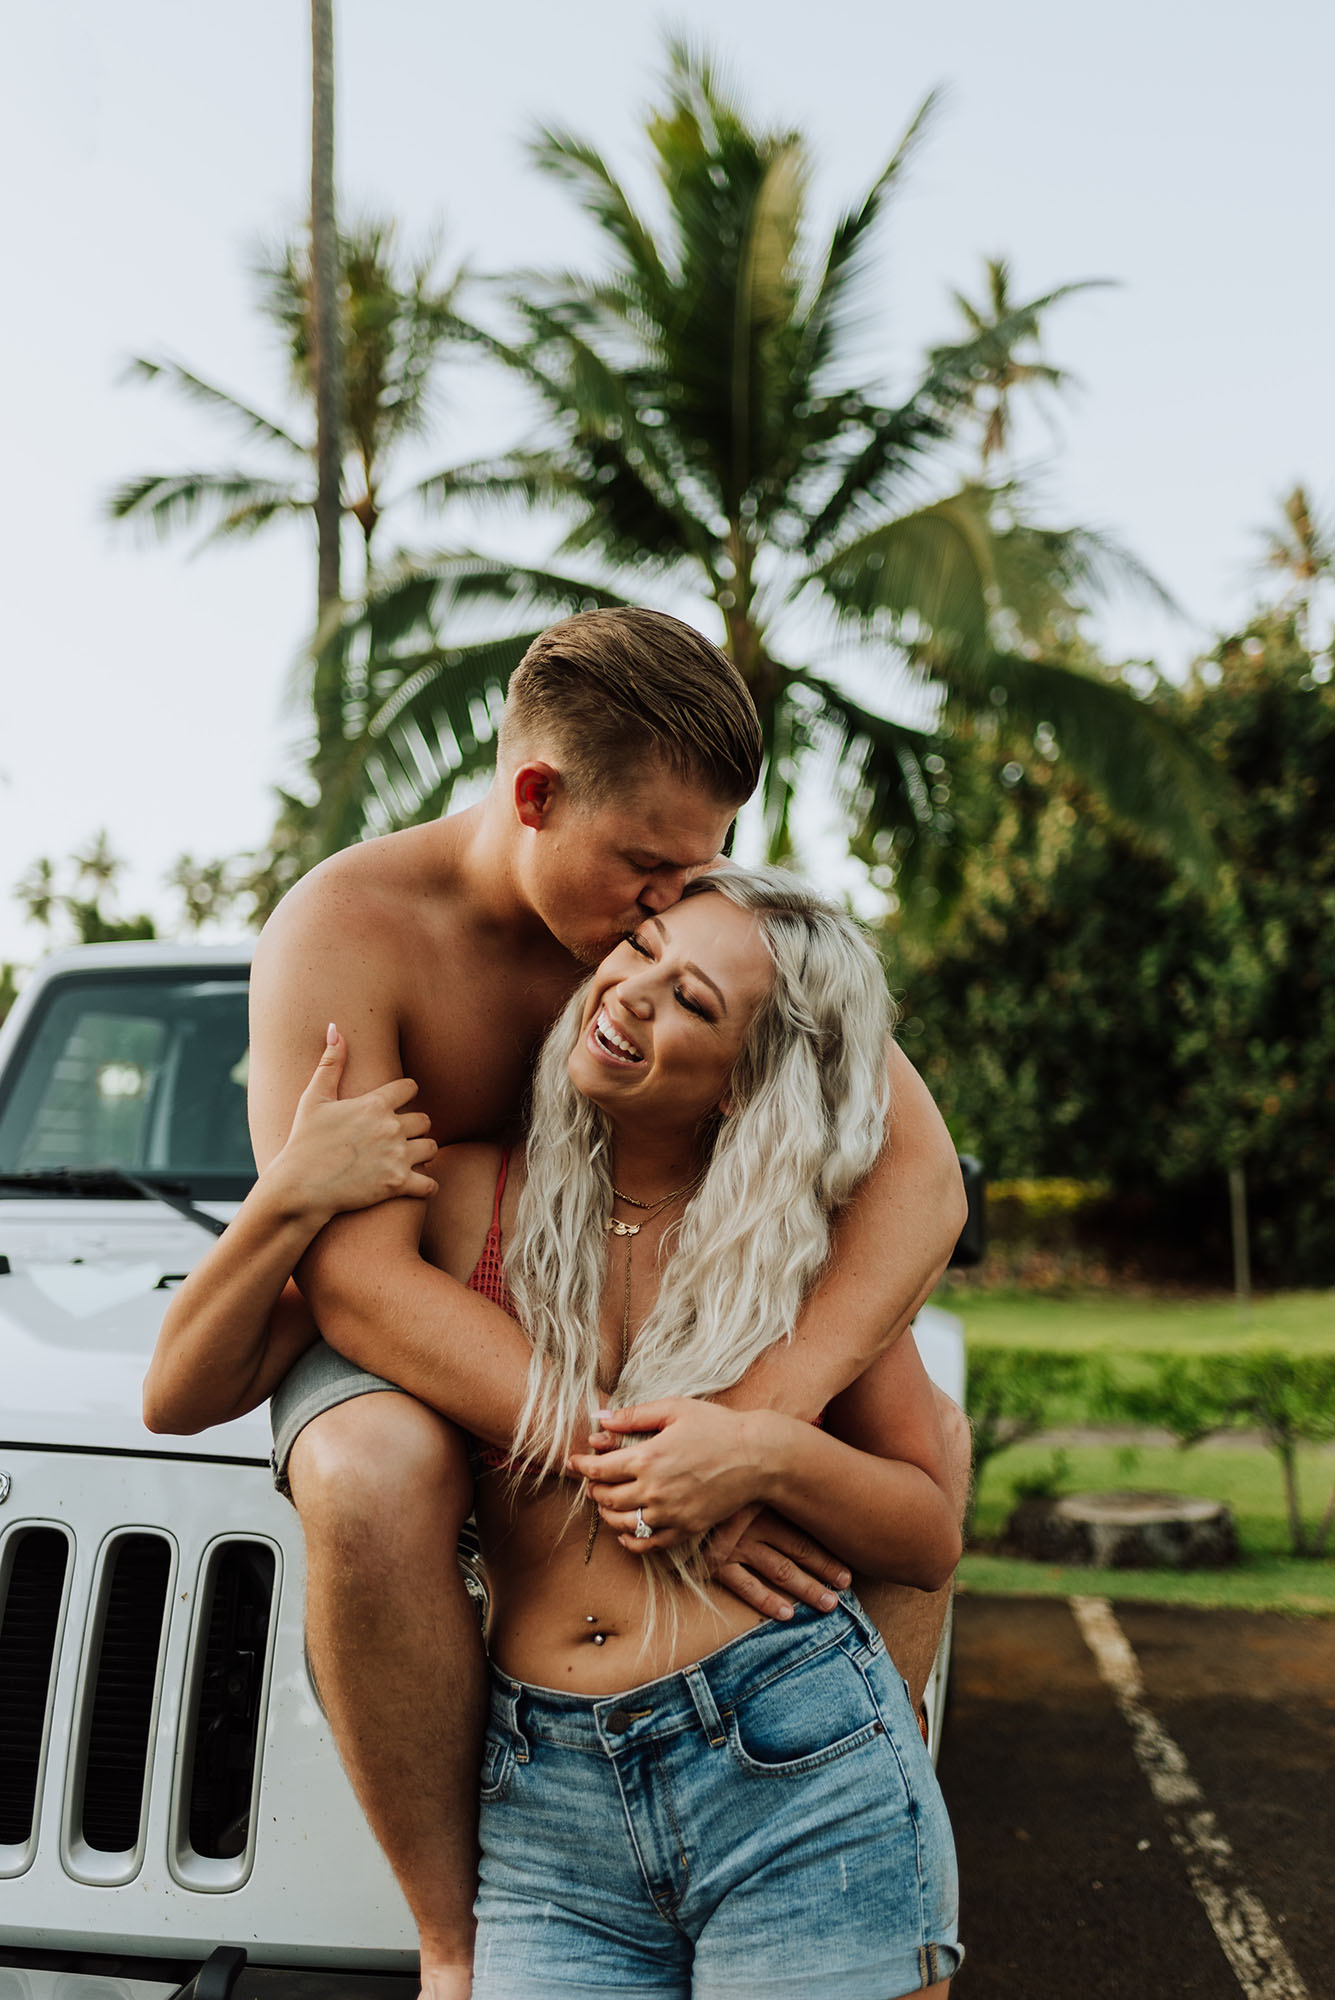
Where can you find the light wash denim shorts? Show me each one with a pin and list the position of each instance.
(764, 1824)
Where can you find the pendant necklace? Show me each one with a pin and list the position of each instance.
(630, 1230)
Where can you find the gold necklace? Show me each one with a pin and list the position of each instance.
(629, 1230)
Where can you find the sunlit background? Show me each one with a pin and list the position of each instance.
(149, 149)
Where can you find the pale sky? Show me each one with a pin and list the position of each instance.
(1182, 147)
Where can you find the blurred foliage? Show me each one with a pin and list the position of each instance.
(77, 897)
(1289, 1398)
(1087, 1010)
(1034, 1202)
(1011, 1395)
(74, 901)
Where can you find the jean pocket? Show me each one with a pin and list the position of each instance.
(498, 1762)
(804, 1719)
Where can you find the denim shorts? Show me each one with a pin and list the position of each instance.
(766, 1823)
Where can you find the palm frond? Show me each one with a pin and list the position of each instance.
(418, 596)
(928, 573)
(431, 721)
(825, 320)
(534, 478)
(877, 756)
(223, 501)
(207, 394)
(764, 298)
(1042, 573)
(1151, 773)
(601, 195)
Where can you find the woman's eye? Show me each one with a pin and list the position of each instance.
(636, 945)
(692, 1006)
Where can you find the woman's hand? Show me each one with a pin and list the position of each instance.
(702, 1464)
(346, 1153)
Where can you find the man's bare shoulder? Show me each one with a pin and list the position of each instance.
(376, 890)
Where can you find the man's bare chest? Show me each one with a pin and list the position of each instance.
(471, 1053)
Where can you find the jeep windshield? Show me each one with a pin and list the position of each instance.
(139, 1071)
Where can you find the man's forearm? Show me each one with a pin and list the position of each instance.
(429, 1335)
(891, 1245)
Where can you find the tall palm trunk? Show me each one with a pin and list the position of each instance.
(328, 371)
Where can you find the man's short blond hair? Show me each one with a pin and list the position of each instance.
(609, 690)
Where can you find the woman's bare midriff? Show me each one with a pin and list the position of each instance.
(558, 1622)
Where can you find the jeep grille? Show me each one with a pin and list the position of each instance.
(31, 1598)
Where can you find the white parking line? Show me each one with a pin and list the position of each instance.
(1248, 1938)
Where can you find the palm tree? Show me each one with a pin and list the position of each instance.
(706, 431)
(1302, 550)
(1001, 329)
(397, 323)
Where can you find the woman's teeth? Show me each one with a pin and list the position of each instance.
(614, 1043)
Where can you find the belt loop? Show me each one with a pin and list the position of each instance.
(863, 1623)
(705, 1707)
(511, 1693)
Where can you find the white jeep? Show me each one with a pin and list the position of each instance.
(173, 1815)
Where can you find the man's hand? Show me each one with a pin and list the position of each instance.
(771, 1565)
(698, 1470)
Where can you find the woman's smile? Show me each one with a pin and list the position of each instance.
(607, 1042)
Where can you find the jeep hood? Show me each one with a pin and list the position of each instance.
(80, 1308)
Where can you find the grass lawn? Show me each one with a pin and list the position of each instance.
(1266, 1579)
(1087, 1322)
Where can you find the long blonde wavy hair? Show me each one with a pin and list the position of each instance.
(809, 1098)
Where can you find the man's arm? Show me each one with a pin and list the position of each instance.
(329, 954)
(890, 1247)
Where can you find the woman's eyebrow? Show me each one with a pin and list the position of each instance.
(690, 965)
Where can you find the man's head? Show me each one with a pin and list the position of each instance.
(627, 745)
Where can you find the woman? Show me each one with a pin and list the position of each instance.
(677, 1796)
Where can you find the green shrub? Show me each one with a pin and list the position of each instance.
(1011, 1394)
(1289, 1398)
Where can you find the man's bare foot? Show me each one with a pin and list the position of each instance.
(446, 1982)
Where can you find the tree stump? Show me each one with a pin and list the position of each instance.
(1129, 1530)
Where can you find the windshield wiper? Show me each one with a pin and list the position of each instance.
(99, 1183)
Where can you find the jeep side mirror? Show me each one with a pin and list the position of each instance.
(972, 1242)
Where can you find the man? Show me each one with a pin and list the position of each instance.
(443, 953)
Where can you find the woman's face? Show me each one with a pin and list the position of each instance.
(668, 1012)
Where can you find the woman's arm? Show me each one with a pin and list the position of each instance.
(872, 1487)
(237, 1324)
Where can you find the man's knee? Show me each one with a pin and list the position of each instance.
(381, 1468)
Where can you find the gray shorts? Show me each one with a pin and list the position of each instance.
(319, 1381)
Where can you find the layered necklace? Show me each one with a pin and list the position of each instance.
(630, 1230)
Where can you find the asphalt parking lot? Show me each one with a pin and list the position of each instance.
(1144, 1802)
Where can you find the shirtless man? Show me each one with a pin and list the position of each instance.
(444, 952)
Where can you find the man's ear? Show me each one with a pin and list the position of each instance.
(536, 787)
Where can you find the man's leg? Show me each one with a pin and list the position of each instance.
(911, 1621)
(383, 1486)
